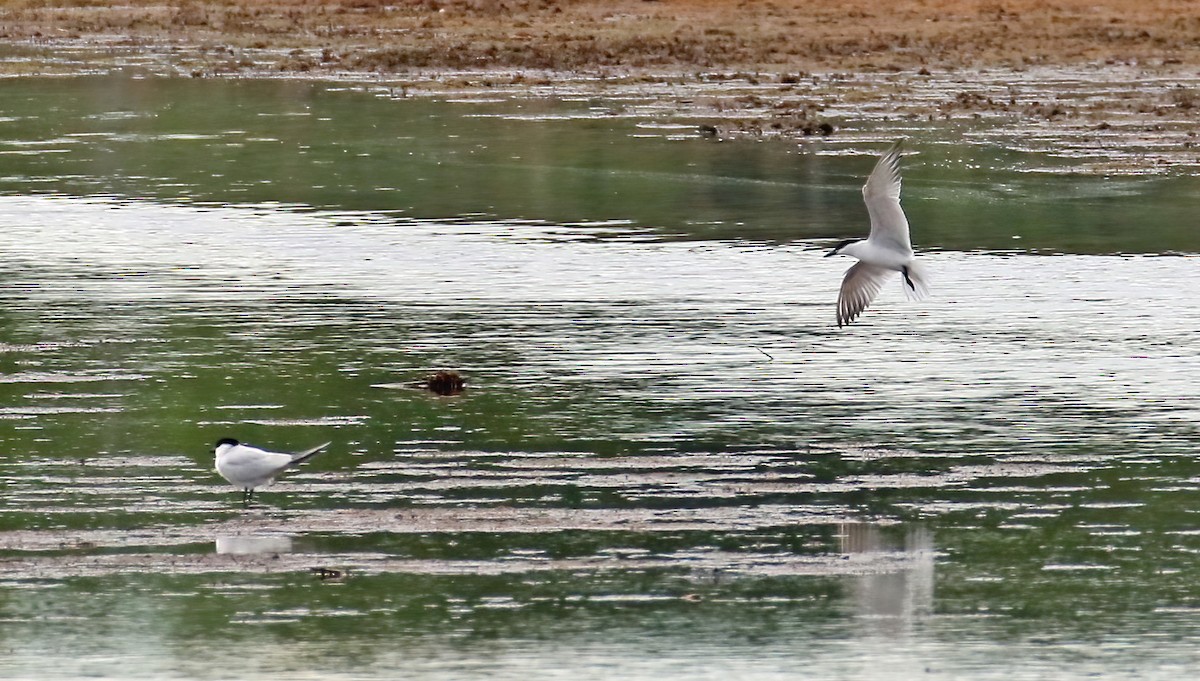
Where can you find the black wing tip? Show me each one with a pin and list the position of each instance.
(894, 152)
(892, 156)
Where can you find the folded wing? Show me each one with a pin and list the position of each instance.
(244, 463)
(301, 457)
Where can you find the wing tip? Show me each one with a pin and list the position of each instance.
(884, 179)
(893, 154)
(301, 457)
(845, 319)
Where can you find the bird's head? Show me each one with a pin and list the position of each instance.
(838, 249)
(226, 441)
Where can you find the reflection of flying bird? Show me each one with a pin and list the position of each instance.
(249, 467)
(886, 249)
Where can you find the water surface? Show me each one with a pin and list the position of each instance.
(668, 460)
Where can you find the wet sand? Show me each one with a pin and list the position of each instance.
(279, 534)
(262, 541)
(627, 37)
(1084, 69)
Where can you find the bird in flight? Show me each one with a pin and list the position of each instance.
(249, 467)
(886, 249)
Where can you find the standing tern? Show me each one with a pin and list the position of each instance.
(249, 467)
(886, 249)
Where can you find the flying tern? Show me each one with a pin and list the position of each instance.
(886, 249)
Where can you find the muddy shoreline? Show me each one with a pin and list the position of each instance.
(262, 541)
(1086, 78)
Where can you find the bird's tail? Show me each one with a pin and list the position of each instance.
(915, 281)
(301, 457)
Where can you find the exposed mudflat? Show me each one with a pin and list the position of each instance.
(696, 514)
(258, 543)
(1112, 82)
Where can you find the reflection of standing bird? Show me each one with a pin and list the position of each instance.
(249, 467)
(886, 249)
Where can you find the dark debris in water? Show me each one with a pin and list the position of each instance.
(445, 383)
(328, 574)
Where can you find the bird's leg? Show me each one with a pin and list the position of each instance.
(247, 496)
(908, 281)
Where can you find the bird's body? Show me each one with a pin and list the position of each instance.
(249, 467)
(886, 250)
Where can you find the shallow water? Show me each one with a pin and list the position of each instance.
(669, 459)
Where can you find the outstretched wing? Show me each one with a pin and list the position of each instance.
(859, 287)
(882, 196)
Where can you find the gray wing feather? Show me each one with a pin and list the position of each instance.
(859, 287)
(301, 457)
(881, 193)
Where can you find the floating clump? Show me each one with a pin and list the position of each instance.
(445, 383)
(324, 573)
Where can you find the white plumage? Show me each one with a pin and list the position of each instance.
(249, 467)
(887, 248)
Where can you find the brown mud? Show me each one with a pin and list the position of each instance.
(626, 36)
(263, 541)
(1089, 74)
(422, 496)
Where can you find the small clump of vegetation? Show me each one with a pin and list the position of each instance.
(445, 383)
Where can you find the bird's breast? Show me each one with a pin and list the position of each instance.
(886, 256)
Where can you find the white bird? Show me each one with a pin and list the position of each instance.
(249, 467)
(886, 249)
